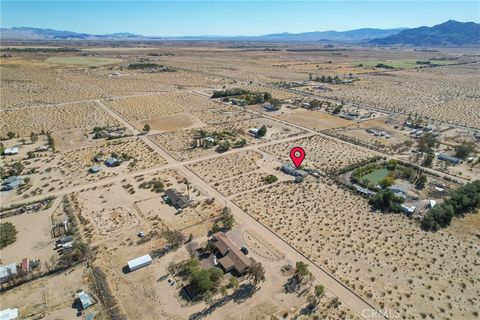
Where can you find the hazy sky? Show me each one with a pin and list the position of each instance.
(230, 17)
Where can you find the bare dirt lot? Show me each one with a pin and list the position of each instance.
(370, 252)
(314, 119)
(322, 153)
(55, 118)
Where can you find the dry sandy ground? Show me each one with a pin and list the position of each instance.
(357, 133)
(445, 93)
(314, 119)
(54, 118)
(322, 153)
(34, 237)
(52, 297)
(171, 103)
(385, 258)
(28, 81)
(228, 166)
(178, 143)
(75, 163)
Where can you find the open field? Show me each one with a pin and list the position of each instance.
(370, 251)
(314, 119)
(322, 153)
(227, 166)
(137, 155)
(171, 103)
(54, 118)
(83, 61)
(52, 297)
(401, 63)
(179, 143)
(447, 93)
(384, 258)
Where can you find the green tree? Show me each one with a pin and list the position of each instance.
(427, 162)
(421, 181)
(385, 200)
(223, 146)
(33, 137)
(17, 169)
(10, 135)
(337, 109)
(392, 164)
(228, 219)
(301, 270)
(387, 181)
(146, 128)
(428, 141)
(8, 234)
(464, 150)
(256, 273)
(262, 131)
(319, 290)
(234, 283)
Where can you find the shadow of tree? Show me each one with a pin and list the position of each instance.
(244, 292)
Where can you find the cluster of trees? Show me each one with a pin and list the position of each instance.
(8, 234)
(386, 201)
(150, 65)
(463, 200)
(328, 79)
(465, 149)
(202, 281)
(384, 66)
(425, 146)
(423, 62)
(229, 92)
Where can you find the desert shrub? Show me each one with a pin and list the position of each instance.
(270, 179)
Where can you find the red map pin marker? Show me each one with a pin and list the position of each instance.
(297, 154)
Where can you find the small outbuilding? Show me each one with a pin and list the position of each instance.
(7, 271)
(112, 162)
(12, 182)
(84, 300)
(94, 169)
(446, 157)
(10, 151)
(139, 262)
(9, 314)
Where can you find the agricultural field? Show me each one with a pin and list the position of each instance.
(370, 252)
(402, 63)
(323, 153)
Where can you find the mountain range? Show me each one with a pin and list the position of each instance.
(450, 33)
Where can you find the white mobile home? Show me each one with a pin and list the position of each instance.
(139, 262)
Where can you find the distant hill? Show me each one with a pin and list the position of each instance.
(352, 36)
(450, 33)
(27, 33)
